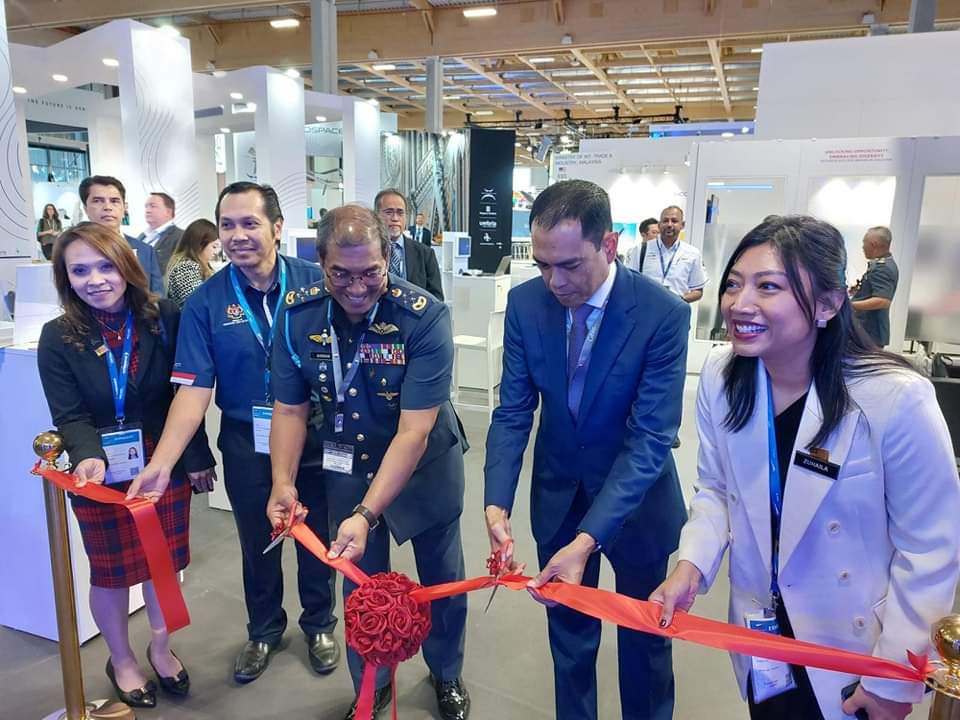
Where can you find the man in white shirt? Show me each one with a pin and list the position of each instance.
(161, 234)
(675, 264)
(649, 230)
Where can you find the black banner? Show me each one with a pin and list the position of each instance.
(491, 196)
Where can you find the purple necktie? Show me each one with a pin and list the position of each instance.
(575, 373)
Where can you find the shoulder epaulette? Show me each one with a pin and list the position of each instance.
(410, 298)
(302, 295)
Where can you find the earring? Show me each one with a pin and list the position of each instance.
(821, 323)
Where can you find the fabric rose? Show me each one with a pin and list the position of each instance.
(384, 624)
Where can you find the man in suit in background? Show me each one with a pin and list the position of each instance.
(105, 202)
(409, 260)
(161, 234)
(602, 351)
(419, 232)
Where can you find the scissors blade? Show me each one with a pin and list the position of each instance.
(276, 541)
(490, 599)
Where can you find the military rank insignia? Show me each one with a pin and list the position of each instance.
(384, 328)
(383, 354)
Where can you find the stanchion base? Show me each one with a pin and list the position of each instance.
(100, 710)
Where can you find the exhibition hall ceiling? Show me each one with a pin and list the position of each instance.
(592, 68)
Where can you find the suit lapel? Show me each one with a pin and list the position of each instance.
(551, 323)
(148, 343)
(410, 266)
(615, 328)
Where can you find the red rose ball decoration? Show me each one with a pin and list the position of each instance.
(384, 624)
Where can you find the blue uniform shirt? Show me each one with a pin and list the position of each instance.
(216, 343)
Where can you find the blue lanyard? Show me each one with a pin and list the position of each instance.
(776, 499)
(340, 381)
(119, 376)
(676, 248)
(266, 341)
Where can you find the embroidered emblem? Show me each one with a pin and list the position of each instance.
(383, 328)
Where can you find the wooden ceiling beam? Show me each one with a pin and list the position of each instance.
(513, 90)
(721, 78)
(544, 74)
(602, 77)
(381, 93)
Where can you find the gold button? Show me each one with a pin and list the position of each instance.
(369, 476)
(361, 437)
(355, 416)
(323, 377)
(364, 456)
(353, 392)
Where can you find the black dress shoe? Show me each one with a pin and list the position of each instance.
(253, 660)
(324, 651)
(175, 685)
(143, 697)
(453, 700)
(381, 698)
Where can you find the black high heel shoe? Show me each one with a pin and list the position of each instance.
(179, 685)
(144, 697)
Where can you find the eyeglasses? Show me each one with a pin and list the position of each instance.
(342, 279)
(394, 212)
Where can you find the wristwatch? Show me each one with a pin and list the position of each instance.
(372, 520)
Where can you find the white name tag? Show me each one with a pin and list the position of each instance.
(769, 677)
(124, 451)
(338, 457)
(262, 417)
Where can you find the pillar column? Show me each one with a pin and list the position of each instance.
(323, 45)
(434, 120)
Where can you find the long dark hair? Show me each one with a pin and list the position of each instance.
(195, 239)
(842, 349)
(76, 320)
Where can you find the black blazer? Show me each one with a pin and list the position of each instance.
(165, 245)
(426, 237)
(77, 385)
(423, 270)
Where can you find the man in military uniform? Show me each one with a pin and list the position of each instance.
(372, 361)
(874, 292)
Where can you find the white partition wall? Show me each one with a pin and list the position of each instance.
(361, 151)
(280, 140)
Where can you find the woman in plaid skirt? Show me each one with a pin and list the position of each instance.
(105, 366)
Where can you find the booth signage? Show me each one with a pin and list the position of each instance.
(491, 196)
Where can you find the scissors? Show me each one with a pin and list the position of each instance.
(498, 568)
(280, 533)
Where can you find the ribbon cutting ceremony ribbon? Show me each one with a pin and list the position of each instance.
(151, 535)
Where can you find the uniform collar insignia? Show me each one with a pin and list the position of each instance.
(384, 328)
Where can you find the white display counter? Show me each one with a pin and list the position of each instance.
(26, 593)
(474, 300)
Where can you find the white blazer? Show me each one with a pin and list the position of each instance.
(869, 561)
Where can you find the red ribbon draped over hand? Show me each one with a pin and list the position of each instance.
(151, 535)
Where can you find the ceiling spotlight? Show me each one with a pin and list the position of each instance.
(284, 23)
(169, 31)
(726, 134)
(451, 97)
(219, 73)
(321, 118)
(756, 89)
(566, 140)
(480, 12)
(111, 62)
(59, 78)
(483, 112)
(516, 144)
(540, 60)
(744, 130)
(373, 55)
(19, 90)
(756, 50)
(292, 73)
(225, 131)
(530, 149)
(374, 102)
(384, 67)
(236, 96)
(567, 39)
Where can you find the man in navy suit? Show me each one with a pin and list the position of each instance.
(602, 350)
(105, 201)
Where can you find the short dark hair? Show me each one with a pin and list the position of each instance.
(167, 200)
(351, 224)
(645, 225)
(271, 203)
(389, 191)
(579, 200)
(107, 180)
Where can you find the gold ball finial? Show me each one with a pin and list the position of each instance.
(48, 445)
(945, 635)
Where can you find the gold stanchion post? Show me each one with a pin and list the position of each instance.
(49, 446)
(945, 680)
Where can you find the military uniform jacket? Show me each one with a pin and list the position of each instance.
(406, 362)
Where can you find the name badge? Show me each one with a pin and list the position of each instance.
(769, 677)
(262, 417)
(338, 457)
(816, 465)
(124, 451)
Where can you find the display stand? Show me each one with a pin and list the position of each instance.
(475, 300)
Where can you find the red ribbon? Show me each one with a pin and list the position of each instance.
(151, 535)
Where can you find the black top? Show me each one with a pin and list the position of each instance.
(880, 280)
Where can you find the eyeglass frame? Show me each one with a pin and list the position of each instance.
(381, 273)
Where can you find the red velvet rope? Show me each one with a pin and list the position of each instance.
(151, 536)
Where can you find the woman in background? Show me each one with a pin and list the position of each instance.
(190, 264)
(48, 228)
(105, 366)
(846, 535)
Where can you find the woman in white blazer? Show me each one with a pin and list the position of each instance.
(867, 551)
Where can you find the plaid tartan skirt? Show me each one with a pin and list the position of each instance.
(111, 541)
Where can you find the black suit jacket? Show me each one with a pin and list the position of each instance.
(426, 237)
(77, 386)
(165, 245)
(423, 270)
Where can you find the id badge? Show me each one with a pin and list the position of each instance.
(769, 677)
(338, 457)
(124, 450)
(262, 416)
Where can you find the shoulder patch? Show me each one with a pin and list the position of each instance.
(302, 295)
(410, 298)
